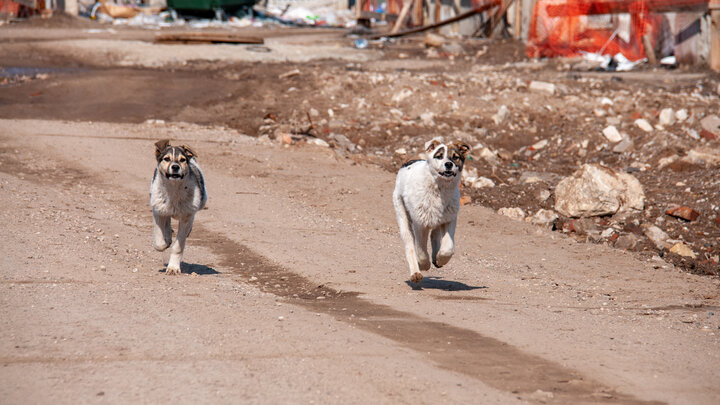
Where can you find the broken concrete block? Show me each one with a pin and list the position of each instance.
(626, 241)
(612, 134)
(542, 87)
(711, 124)
(543, 217)
(683, 212)
(595, 190)
(667, 117)
(643, 124)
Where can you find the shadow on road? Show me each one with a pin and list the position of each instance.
(437, 283)
(189, 268)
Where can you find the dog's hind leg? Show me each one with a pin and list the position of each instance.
(408, 239)
(162, 232)
(443, 243)
(178, 247)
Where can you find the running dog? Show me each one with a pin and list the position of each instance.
(427, 201)
(177, 191)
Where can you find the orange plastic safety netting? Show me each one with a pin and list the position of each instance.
(571, 27)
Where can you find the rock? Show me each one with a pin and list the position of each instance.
(667, 117)
(501, 115)
(539, 145)
(401, 95)
(607, 233)
(643, 124)
(666, 161)
(434, 40)
(542, 87)
(343, 142)
(537, 177)
(606, 102)
(683, 212)
(541, 396)
(318, 142)
(626, 145)
(490, 156)
(626, 241)
(543, 195)
(543, 217)
(401, 151)
(482, 182)
(656, 235)
(681, 115)
(703, 156)
(428, 118)
(596, 190)
(711, 124)
(453, 48)
(515, 213)
(612, 134)
(682, 250)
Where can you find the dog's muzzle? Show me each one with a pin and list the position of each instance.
(448, 173)
(174, 176)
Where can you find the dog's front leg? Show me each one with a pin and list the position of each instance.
(162, 232)
(178, 247)
(421, 234)
(443, 243)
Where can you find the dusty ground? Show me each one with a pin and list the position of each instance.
(294, 288)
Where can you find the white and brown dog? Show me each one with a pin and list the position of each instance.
(177, 191)
(427, 201)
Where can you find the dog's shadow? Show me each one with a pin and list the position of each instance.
(189, 268)
(437, 283)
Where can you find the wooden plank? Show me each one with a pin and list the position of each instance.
(479, 9)
(714, 7)
(207, 38)
(403, 16)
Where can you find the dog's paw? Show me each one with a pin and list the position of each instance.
(441, 260)
(416, 277)
(172, 271)
(424, 265)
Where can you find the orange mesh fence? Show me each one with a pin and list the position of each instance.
(565, 28)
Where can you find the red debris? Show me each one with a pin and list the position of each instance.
(683, 212)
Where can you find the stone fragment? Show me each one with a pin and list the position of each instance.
(434, 40)
(643, 124)
(539, 145)
(612, 134)
(501, 115)
(514, 213)
(667, 117)
(595, 190)
(711, 124)
(542, 87)
(626, 241)
(682, 250)
(401, 95)
(537, 177)
(681, 115)
(483, 182)
(656, 235)
(401, 151)
(683, 212)
(318, 142)
(543, 217)
(626, 145)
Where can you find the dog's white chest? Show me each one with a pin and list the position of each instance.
(427, 203)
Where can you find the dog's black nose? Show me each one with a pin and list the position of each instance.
(448, 165)
(175, 167)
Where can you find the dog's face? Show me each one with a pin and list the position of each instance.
(446, 161)
(173, 161)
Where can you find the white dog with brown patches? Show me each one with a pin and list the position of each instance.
(427, 201)
(177, 191)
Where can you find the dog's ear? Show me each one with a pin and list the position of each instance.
(160, 147)
(462, 148)
(189, 152)
(432, 144)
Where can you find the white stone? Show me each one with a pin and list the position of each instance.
(597, 190)
(501, 115)
(401, 95)
(543, 217)
(401, 151)
(612, 134)
(703, 156)
(489, 156)
(483, 182)
(656, 235)
(319, 142)
(515, 213)
(542, 87)
(681, 115)
(667, 117)
(539, 145)
(606, 101)
(682, 250)
(643, 124)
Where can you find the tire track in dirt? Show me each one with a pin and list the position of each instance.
(489, 360)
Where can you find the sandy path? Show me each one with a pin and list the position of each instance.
(517, 310)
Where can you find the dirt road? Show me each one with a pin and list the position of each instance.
(294, 287)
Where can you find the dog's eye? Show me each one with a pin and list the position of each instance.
(182, 160)
(166, 158)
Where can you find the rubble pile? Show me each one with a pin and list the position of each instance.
(600, 158)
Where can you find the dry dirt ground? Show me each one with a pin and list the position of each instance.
(294, 287)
